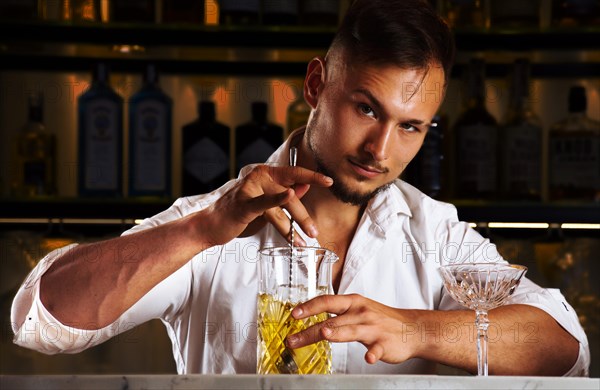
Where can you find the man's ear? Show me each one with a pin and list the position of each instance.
(314, 81)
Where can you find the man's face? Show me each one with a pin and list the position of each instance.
(368, 124)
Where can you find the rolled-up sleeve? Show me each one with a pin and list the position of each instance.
(554, 303)
(36, 328)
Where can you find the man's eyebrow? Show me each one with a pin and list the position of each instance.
(370, 96)
(379, 107)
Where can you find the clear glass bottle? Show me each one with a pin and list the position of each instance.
(574, 153)
(476, 133)
(256, 140)
(183, 11)
(239, 12)
(100, 111)
(150, 132)
(206, 156)
(520, 141)
(280, 12)
(36, 155)
(320, 12)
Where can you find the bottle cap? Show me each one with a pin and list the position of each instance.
(206, 111)
(577, 99)
(151, 75)
(101, 72)
(475, 78)
(36, 104)
(259, 112)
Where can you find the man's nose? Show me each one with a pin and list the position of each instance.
(378, 143)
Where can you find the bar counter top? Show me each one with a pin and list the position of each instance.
(176, 382)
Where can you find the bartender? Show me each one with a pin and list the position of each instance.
(373, 97)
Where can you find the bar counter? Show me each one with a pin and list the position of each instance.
(177, 382)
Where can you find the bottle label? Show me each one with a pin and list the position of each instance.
(101, 163)
(258, 151)
(280, 6)
(321, 6)
(206, 160)
(240, 5)
(477, 156)
(575, 161)
(522, 156)
(150, 147)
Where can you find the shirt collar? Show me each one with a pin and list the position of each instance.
(384, 206)
(282, 155)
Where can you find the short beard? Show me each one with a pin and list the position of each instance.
(339, 189)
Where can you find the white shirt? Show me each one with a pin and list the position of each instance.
(208, 306)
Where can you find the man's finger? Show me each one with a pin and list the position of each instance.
(374, 354)
(328, 331)
(301, 216)
(289, 176)
(335, 304)
(265, 202)
(279, 219)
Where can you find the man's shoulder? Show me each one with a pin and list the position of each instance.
(422, 205)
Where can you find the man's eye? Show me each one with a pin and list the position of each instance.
(366, 110)
(410, 128)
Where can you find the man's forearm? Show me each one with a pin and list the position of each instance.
(91, 285)
(523, 340)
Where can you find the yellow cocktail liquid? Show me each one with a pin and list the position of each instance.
(275, 323)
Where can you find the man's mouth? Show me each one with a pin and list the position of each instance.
(366, 170)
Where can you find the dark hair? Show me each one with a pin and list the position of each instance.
(406, 33)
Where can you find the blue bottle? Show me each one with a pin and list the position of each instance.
(100, 110)
(150, 139)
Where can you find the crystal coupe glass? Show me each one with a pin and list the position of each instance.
(481, 287)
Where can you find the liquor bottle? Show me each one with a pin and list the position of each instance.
(520, 141)
(320, 12)
(50, 9)
(85, 10)
(239, 12)
(575, 13)
(150, 139)
(476, 140)
(36, 155)
(574, 166)
(183, 11)
(100, 138)
(280, 12)
(515, 14)
(297, 114)
(137, 11)
(425, 169)
(256, 140)
(205, 152)
(465, 14)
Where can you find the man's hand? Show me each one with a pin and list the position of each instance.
(258, 198)
(395, 335)
(376, 326)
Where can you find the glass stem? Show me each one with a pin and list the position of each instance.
(482, 323)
